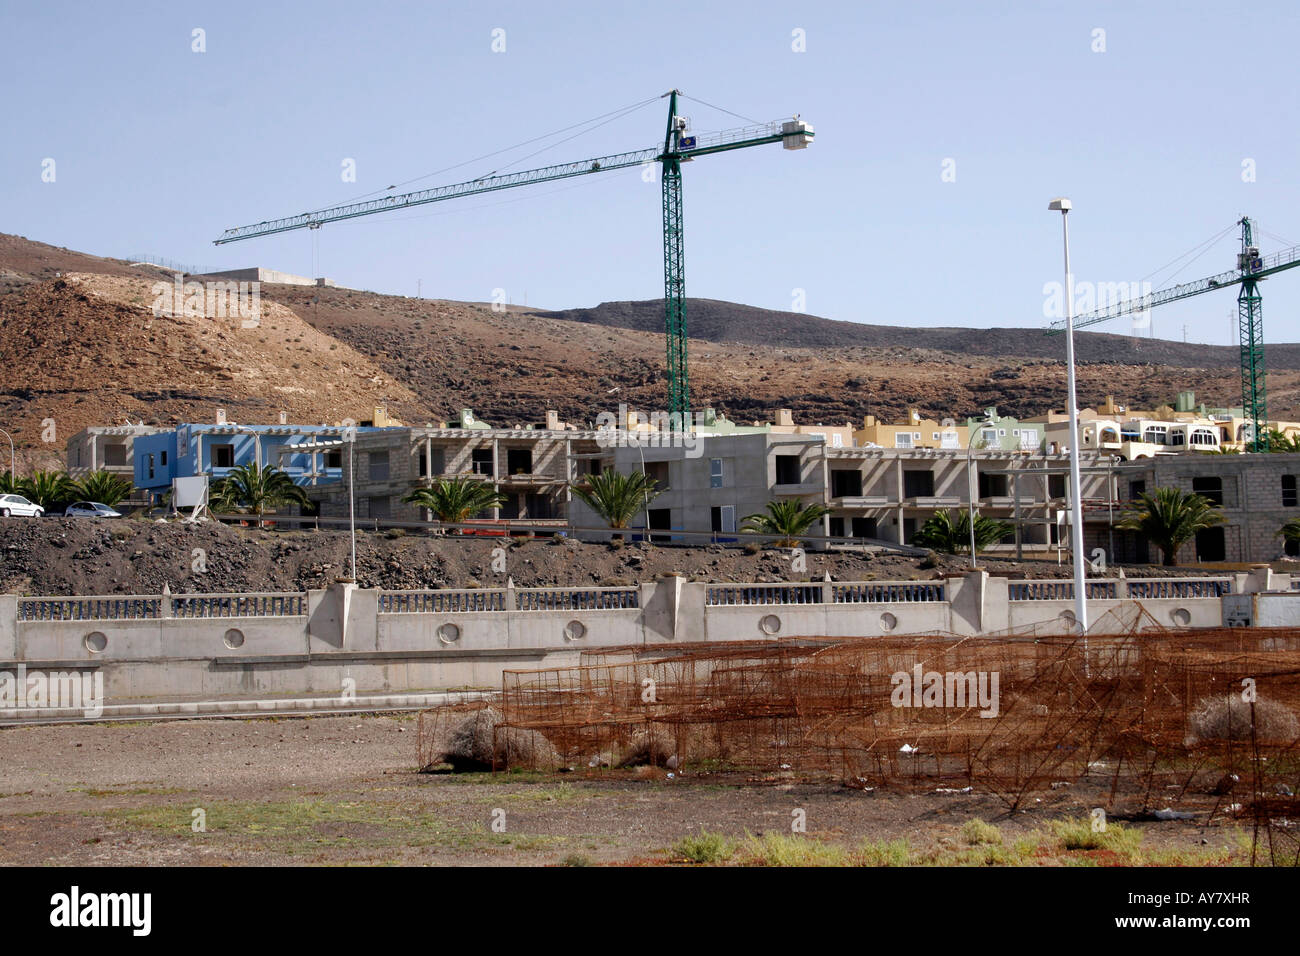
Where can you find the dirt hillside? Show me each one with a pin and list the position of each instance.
(79, 344)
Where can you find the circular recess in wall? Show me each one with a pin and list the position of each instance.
(1180, 616)
(449, 633)
(1068, 619)
(234, 638)
(770, 624)
(888, 622)
(575, 631)
(95, 642)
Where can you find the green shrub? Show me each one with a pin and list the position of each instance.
(977, 832)
(777, 849)
(704, 847)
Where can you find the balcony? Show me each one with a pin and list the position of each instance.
(802, 488)
(861, 501)
(529, 480)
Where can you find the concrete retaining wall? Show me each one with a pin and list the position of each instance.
(324, 641)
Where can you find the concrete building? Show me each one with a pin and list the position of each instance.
(259, 274)
(310, 454)
(872, 493)
(105, 448)
(1004, 433)
(1258, 494)
(712, 482)
(916, 432)
(836, 436)
(532, 467)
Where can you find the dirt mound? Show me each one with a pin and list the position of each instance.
(1228, 718)
(478, 743)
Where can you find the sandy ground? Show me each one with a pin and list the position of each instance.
(344, 790)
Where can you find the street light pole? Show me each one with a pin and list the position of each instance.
(13, 473)
(970, 486)
(1063, 206)
(352, 496)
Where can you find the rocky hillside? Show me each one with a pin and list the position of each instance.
(80, 344)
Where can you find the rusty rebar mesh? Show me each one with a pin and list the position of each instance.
(1161, 715)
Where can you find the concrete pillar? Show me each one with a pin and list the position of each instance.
(966, 596)
(898, 484)
(496, 471)
(1259, 579)
(8, 627)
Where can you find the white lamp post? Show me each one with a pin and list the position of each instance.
(1063, 206)
(350, 436)
(12, 471)
(970, 485)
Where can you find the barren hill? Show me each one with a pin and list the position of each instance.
(79, 343)
(746, 324)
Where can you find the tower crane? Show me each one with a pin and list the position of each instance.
(1251, 269)
(679, 146)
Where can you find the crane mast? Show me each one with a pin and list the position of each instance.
(1250, 321)
(1251, 269)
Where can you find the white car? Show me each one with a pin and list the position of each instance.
(90, 509)
(18, 505)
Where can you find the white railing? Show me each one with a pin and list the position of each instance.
(238, 605)
(888, 592)
(442, 602)
(125, 608)
(1136, 589)
(732, 595)
(1060, 590)
(1141, 588)
(578, 599)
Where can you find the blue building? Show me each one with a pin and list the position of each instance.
(309, 454)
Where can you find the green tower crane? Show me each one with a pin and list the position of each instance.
(679, 147)
(1251, 269)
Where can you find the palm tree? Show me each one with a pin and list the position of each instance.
(1290, 532)
(455, 499)
(49, 489)
(617, 497)
(104, 487)
(789, 518)
(9, 485)
(254, 488)
(1170, 517)
(1278, 442)
(949, 531)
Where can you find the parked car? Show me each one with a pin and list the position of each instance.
(18, 505)
(90, 509)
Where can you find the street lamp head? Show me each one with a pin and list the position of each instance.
(1060, 204)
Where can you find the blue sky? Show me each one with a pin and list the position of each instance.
(158, 148)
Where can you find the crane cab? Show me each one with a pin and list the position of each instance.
(796, 134)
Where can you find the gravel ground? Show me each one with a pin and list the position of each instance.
(343, 790)
(57, 556)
